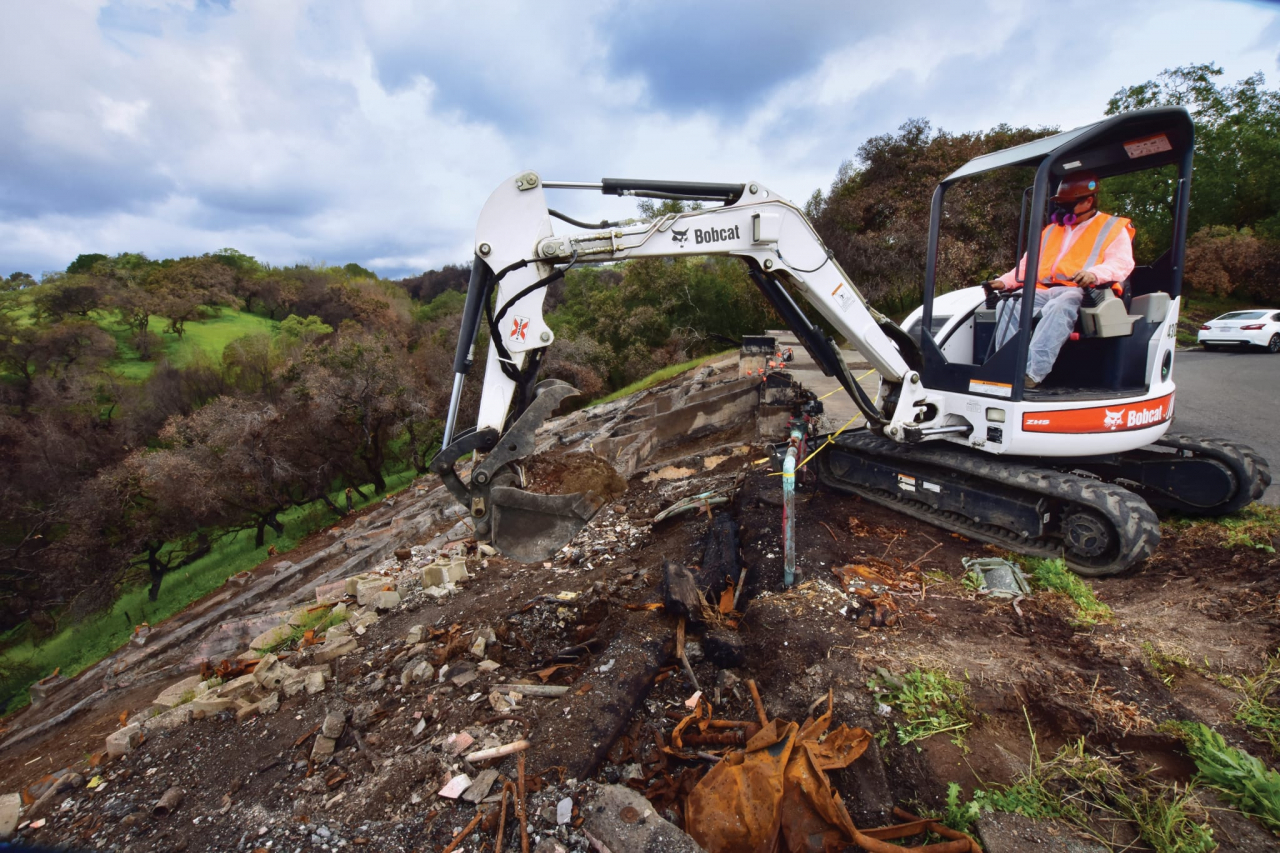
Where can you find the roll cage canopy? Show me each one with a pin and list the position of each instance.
(1130, 142)
(1099, 147)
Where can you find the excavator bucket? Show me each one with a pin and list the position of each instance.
(521, 525)
(531, 528)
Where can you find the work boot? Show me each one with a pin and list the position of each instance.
(1028, 382)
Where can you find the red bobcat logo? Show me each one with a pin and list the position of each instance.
(519, 326)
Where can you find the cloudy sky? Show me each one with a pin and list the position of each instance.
(318, 131)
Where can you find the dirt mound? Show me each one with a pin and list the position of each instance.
(562, 473)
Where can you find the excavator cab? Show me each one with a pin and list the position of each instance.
(1116, 351)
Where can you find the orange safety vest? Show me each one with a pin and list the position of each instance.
(1100, 231)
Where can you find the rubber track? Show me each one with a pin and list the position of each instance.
(1131, 519)
(1252, 473)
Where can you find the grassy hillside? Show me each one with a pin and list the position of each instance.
(80, 645)
(209, 337)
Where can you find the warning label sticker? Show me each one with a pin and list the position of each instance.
(844, 298)
(994, 389)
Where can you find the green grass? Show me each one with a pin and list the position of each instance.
(1054, 576)
(1256, 527)
(79, 647)
(202, 337)
(1090, 791)
(930, 702)
(1259, 711)
(662, 375)
(1241, 778)
(320, 621)
(1165, 663)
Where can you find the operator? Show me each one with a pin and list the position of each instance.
(1080, 247)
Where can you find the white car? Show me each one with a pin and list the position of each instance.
(1259, 328)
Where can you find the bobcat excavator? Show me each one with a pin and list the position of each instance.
(1071, 468)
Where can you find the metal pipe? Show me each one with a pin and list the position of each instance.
(957, 429)
(451, 419)
(572, 185)
(477, 296)
(789, 509)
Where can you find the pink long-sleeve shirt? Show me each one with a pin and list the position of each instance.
(1115, 264)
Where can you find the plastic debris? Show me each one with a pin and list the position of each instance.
(998, 577)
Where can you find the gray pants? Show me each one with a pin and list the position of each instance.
(1058, 308)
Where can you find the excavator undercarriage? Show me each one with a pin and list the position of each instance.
(1095, 513)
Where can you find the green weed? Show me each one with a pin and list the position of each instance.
(1086, 790)
(319, 622)
(662, 375)
(1260, 708)
(1164, 663)
(1241, 778)
(1256, 527)
(930, 702)
(1054, 576)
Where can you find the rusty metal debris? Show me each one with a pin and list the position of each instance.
(169, 801)
(774, 794)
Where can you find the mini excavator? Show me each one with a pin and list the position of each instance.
(1070, 468)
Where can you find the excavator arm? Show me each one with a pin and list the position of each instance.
(518, 255)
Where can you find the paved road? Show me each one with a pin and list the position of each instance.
(1233, 395)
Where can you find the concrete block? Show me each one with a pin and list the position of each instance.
(368, 591)
(328, 593)
(295, 683)
(269, 705)
(172, 696)
(313, 683)
(10, 811)
(605, 821)
(444, 570)
(272, 636)
(386, 600)
(333, 650)
(323, 668)
(353, 583)
(265, 664)
(323, 748)
(42, 690)
(481, 786)
(174, 718)
(277, 675)
(124, 740)
(420, 672)
(335, 723)
(206, 706)
(237, 687)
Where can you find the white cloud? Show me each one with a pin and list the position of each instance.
(315, 129)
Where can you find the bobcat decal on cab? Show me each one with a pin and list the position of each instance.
(1113, 419)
